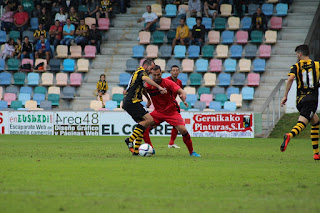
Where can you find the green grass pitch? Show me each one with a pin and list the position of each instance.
(97, 174)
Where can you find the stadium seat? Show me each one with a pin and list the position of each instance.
(15, 105)
(217, 90)
(1, 92)
(54, 98)
(207, 22)
(40, 90)
(46, 105)
(215, 65)
(118, 98)
(13, 64)
(276, 23)
(124, 79)
(28, 5)
(38, 62)
(165, 75)
(224, 79)
(34, 23)
(2, 64)
(38, 98)
(83, 8)
(90, 51)
(242, 37)
(111, 105)
(118, 90)
(281, 9)
(27, 61)
(9, 97)
(199, 105)
(76, 51)
(256, 36)
(195, 79)
(3, 105)
(83, 65)
(225, 10)
(273, 1)
(3, 36)
(144, 37)
(187, 65)
(180, 51)
(19, 78)
(227, 37)
(137, 51)
(105, 97)
(267, 9)
(238, 79)
(172, 62)
(5, 78)
(23, 97)
(271, 37)
(152, 51)
(265, 51)
(104, 23)
(215, 105)
(236, 51)
(237, 98)
(232, 90)
(207, 98)
(90, 21)
(68, 65)
(253, 79)
(55, 65)
(68, 92)
(165, 51)
(156, 8)
(62, 51)
(183, 77)
(75, 79)
(207, 51)
(96, 105)
(184, 107)
(33, 79)
(259, 65)
(14, 35)
(213, 37)
(203, 90)
(183, 7)
(12, 89)
(250, 51)
(244, 65)
(165, 23)
(29, 34)
(171, 10)
(247, 93)
(161, 63)
(209, 79)
(202, 65)
(222, 98)
(191, 21)
(230, 106)
(194, 51)
(191, 99)
(54, 90)
(222, 51)
(230, 65)
(252, 8)
(170, 36)
(233, 23)
(47, 79)
(132, 65)
(246, 23)
(190, 90)
(31, 105)
(158, 37)
(61, 79)
(219, 23)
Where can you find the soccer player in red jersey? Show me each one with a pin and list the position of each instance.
(174, 77)
(166, 108)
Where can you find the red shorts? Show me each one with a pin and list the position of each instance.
(173, 119)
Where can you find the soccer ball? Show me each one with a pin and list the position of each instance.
(145, 150)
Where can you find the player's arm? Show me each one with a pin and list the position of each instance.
(145, 93)
(183, 96)
(288, 86)
(152, 83)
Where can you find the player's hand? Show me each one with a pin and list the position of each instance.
(185, 103)
(183, 96)
(283, 101)
(163, 90)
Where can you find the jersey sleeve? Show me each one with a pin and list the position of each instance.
(293, 70)
(172, 86)
(107, 87)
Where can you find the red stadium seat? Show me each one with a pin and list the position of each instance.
(103, 23)
(75, 79)
(242, 37)
(253, 79)
(276, 23)
(265, 51)
(90, 51)
(215, 65)
(9, 97)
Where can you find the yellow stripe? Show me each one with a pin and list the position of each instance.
(314, 131)
(315, 127)
(295, 131)
(314, 136)
(315, 142)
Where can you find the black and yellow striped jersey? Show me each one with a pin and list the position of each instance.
(83, 27)
(102, 85)
(105, 5)
(37, 33)
(135, 87)
(306, 73)
(17, 48)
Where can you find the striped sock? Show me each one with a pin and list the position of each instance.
(299, 127)
(137, 132)
(137, 144)
(315, 137)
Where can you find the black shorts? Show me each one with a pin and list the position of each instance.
(102, 91)
(135, 110)
(308, 109)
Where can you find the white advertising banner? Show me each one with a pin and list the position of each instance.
(3, 122)
(30, 123)
(77, 123)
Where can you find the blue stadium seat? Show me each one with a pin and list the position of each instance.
(40, 90)
(230, 65)
(165, 51)
(34, 23)
(68, 92)
(137, 51)
(132, 65)
(12, 89)
(14, 35)
(250, 51)
(117, 97)
(194, 51)
(202, 65)
(54, 98)
(238, 79)
(55, 65)
(247, 93)
(165, 75)
(252, 8)
(259, 65)
(227, 37)
(232, 90)
(256, 36)
(46, 105)
(267, 9)
(171, 10)
(124, 79)
(217, 90)
(200, 105)
(3, 36)
(191, 21)
(38, 98)
(184, 107)
(236, 51)
(220, 23)
(222, 98)
(180, 51)
(158, 37)
(23, 97)
(183, 78)
(68, 65)
(111, 105)
(207, 22)
(33, 79)
(172, 62)
(29, 34)
(175, 22)
(230, 106)
(5, 78)
(216, 105)
(192, 98)
(3, 105)
(224, 79)
(195, 79)
(13, 64)
(2, 64)
(207, 51)
(281, 9)
(246, 23)
(26, 89)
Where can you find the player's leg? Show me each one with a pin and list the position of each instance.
(314, 134)
(157, 119)
(146, 136)
(174, 133)
(187, 139)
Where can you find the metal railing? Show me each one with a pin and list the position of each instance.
(274, 98)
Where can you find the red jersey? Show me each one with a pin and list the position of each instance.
(178, 82)
(164, 103)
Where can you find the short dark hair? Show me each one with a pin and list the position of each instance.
(148, 62)
(26, 37)
(304, 49)
(199, 18)
(175, 66)
(183, 19)
(157, 67)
